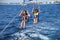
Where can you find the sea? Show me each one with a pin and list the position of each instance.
(48, 27)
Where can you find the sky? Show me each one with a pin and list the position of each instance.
(20, 1)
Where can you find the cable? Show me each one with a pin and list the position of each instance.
(8, 24)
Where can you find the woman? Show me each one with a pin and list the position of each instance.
(25, 16)
(36, 15)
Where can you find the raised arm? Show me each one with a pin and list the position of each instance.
(28, 14)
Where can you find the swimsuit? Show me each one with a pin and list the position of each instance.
(24, 16)
(36, 15)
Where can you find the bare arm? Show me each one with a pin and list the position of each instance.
(28, 14)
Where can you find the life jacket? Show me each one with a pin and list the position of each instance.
(36, 14)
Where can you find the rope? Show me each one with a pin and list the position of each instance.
(8, 24)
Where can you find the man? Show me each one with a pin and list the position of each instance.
(25, 16)
(36, 15)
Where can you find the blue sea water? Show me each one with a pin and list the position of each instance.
(48, 27)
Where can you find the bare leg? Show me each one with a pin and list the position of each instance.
(35, 21)
(24, 23)
(21, 25)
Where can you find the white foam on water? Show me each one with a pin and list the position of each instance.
(23, 36)
(49, 28)
(40, 36)
(44, 37)
(34, 32)
(34, 35)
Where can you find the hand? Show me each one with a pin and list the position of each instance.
(29, 15)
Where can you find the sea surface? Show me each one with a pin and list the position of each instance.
(48, 27)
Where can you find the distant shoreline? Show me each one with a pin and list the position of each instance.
(18, 3)
(21, 4)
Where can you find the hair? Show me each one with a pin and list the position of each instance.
(25, 11)
(36, 10)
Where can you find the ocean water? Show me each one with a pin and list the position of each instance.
(48, 27)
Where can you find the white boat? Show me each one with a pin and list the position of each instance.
(24, 4)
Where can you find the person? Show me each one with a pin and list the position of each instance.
(25, 16)
(36, 16)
